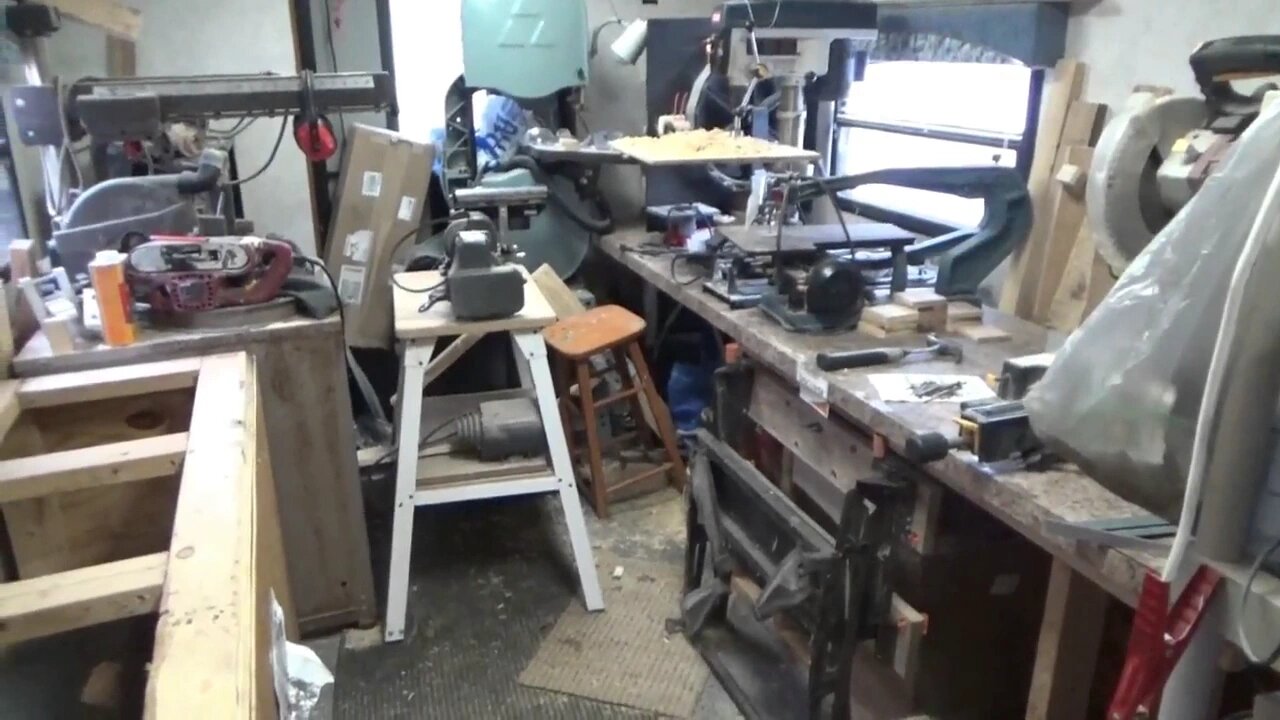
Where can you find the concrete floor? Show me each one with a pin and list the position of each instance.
(489, 579)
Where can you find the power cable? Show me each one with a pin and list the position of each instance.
(270, 159)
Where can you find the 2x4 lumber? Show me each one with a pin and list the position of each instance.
(79, 598)
(108, 383)
(1065, 85)
(37, 476)
(1063, 231)
(112, 17)
(1070, 635)
(212, 641)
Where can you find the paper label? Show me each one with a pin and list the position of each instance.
(351, 284)
(359, 246)
(813, 389)
(406, 209)
(371, 185)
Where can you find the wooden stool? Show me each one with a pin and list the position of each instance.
(614, 330)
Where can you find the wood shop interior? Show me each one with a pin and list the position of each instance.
(633, 359)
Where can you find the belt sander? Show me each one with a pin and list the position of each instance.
(195, 274)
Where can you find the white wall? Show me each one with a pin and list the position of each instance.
(1130, 42)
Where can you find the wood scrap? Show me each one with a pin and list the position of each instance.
(1063, 229)
(1064, 86)
(879, 332)
(891, 318)
(1067, 310)
(1080, 128)
(104, 686)
(705, 146)
(981, 334)
(931, 306)
(112, 17)
(562, 299)
(959, 313)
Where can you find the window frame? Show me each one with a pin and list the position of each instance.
(1024, 146)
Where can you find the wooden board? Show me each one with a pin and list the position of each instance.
(1079, 129)
(962, 312)
(981, 334)
(1070, 635)
(700, 147)
(439, 470)
(225, 561)
(80, 598)
(1067, 310)
(1064, 86)
(1064, 229)
(891, 318)
(113, 17)
(439, 320)
(99, 466)
(107, 383)
(562, 299)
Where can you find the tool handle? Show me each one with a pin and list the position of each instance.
(1218, 62)
(929, 447)
(831, 361)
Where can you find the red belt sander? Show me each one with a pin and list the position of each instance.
(192, 274)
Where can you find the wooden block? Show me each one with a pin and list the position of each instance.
(104, 687)
(562, 299)
(115, 18)
(962, 312)
(61, 333)
(1063, 231)
(879, 332)
(981, 334)
(931, 306)
(1073, 178)
(891, 318)
(24, 259)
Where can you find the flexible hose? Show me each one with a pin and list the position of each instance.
(599, 226)
(1264, 227)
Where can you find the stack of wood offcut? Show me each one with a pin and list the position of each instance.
(921, 310)
(1057, 278)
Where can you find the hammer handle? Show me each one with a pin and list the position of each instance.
(859, 359)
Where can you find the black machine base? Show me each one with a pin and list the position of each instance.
(777, 307)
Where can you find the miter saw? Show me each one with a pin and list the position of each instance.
(1157, 153)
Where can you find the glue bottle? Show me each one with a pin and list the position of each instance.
(115, 304)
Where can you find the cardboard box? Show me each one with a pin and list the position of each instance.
(382, 197)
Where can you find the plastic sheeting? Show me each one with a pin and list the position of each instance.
(1123, 393)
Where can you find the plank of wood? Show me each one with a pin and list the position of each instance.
(42, 475)
(962, 312)
(212, 639)
(891, 318)
(122, 58)
(451, 354)
(912, 626)
(562, 299)
(10, 408)
(981, 334)
(79, 598)
(113, 17)
(8, 345)
(1079, 129)
(1067, 310)
(1063, 231)
(108, 383)
(1065, 85)
(1070, 635)
(453, 469)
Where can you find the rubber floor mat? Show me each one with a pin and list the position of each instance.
(623, 655)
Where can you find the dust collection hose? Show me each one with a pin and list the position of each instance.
(599, 226)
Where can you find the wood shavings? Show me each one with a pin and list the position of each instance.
(701, 146)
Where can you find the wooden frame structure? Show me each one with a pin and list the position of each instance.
(146, 489)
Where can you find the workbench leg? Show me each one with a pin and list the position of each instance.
(522, 364)
(1070, 635)
(650, 300)
(534, 351)
(409, 410)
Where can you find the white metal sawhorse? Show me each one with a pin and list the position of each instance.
(419, 331)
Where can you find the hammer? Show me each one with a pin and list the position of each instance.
(936, 348)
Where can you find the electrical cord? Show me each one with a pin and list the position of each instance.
(342, 313)
(275, 149)
(432, 436)
(1246, 645)
(404, 239)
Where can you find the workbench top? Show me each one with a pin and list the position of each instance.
(1023, 500)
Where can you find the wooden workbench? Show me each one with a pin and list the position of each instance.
(307, 408)
(1023, 500)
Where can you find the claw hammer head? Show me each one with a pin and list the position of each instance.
(945, 348)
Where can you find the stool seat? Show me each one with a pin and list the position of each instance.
(593, 332)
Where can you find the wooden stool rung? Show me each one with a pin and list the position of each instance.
(618, 397)
(641, 476)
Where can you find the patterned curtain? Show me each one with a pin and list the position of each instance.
(937, 48)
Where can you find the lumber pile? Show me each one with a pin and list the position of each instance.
(1057, 277)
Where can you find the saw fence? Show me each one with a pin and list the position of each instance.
(147, 489)
(1057, 278)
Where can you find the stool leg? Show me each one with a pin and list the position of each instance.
(409, 410)
(564, 395)
(599, 490)
(643, 430)
(666, 430)
(535, 351)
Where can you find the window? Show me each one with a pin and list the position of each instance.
(929, 114)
